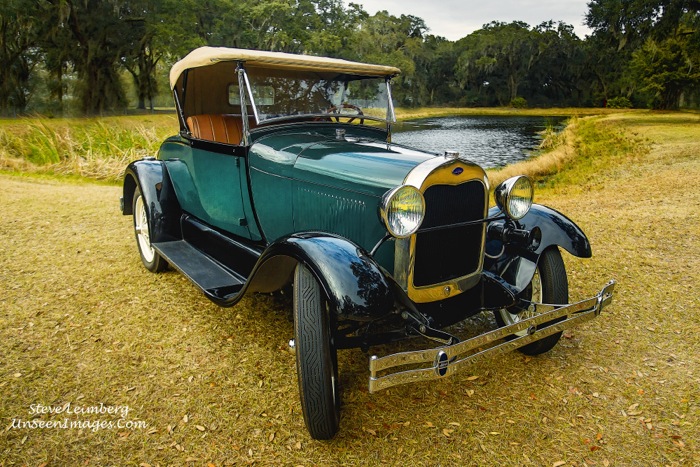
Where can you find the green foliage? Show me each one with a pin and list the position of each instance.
(518, 103)
(91, 52)
(646, 48)
(665, 70)
(620, 102)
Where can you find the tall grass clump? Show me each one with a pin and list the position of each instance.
(93, 148)
(578, 154)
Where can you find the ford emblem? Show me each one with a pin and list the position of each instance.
(458, 170)
(441, 363)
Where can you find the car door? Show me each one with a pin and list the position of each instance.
(210, 181)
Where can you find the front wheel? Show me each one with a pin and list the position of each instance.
(548, 285)
(317, 361)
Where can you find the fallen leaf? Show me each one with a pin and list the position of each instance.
(429, 425)
(559, 463)
(185, 419)
(447, 432)
(271, 438)
(200, 427)
(472, 378)
(455, 424)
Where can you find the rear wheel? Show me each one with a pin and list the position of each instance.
(548, 285)
(317, 362)
(149, 256)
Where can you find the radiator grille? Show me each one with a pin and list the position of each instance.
(447, 254)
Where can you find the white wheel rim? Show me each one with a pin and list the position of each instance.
(142, 234)
(510, 318)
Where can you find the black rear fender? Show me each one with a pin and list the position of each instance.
(152, 179)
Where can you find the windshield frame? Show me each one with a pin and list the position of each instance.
(247, 98)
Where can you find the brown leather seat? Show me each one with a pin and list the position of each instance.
(216, 127)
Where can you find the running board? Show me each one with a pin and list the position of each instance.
(217, 282)
(439, 362)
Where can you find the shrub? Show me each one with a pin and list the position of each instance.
(619, 103)
(518, 103)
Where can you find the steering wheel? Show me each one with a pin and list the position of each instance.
(338, 116)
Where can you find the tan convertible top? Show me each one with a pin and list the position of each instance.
(205, 56)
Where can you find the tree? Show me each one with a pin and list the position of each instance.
(18, 54)
(668, 68)
(92, 40)
(559, 75)
(643, 47)
(498, 57)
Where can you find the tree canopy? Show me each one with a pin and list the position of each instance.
(99, 56)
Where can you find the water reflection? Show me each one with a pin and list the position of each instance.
(488, 141)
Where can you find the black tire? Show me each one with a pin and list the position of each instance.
(149, 256)
(317, 358)
(549, 285)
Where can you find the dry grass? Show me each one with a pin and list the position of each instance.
(81, 321)
(98, 149)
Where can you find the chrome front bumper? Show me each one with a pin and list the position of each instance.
(440, 362)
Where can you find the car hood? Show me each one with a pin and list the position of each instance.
(361, 164)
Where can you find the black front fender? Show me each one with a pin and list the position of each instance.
(353, 282)
(517, 263)
(152, 179)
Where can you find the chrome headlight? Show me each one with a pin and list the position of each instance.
(514, 196)
(402, 210)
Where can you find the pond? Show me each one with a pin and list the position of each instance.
(487, 140)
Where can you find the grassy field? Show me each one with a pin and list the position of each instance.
(83, 323)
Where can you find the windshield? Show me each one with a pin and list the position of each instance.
(283, 94)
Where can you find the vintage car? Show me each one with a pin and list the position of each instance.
(284, 176)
